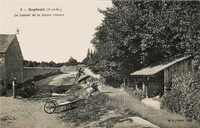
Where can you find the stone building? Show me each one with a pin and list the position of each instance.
(11, 59)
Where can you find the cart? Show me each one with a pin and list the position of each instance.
(51, 105)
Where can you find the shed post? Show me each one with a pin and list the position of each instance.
(135, 83)
(143, 85)
(146, 85)
(125, 83)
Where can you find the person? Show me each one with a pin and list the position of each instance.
(33, 85)
(80, 71)
(94, 85)
(89, 91)
(14, 85)
(93, 88)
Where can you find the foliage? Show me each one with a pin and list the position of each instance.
(136, 93)
(27, 89)
(197, 64)
(134, 34)
(70, 62)
(184, 97)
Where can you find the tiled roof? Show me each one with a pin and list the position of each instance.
(5, 41)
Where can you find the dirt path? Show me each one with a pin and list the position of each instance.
(17, 113)
(24, 113)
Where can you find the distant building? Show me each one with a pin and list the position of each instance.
(11, 59)
(157, 79)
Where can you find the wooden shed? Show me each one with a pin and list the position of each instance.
(157, 78)
(11, 59)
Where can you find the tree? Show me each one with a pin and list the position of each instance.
(72, 61)
(42, 64)
(52, 64)
(134, 34)
(25, 63)
(88, 53)
(29, 64)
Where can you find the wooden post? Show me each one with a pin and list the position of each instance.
(147, 84)
(124, 82)
(146, 92)
(135, 84)
(143, 86)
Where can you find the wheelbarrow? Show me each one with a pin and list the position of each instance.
(51, 105)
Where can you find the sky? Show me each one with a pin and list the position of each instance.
(52, 38)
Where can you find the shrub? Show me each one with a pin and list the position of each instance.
(183, 97)
(26, 89)
(135, 93)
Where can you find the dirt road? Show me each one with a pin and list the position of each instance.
(17, 113)
(24, 113)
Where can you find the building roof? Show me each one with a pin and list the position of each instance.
(5, 41)
(151, 70)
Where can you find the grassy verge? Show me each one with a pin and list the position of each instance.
(99, 108)
(160, 118)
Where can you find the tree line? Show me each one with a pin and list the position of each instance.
(134, 34)
(70, 62)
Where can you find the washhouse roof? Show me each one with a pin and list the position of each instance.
(151, 70)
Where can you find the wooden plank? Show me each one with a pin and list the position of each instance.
(64, 103)
(68, 102)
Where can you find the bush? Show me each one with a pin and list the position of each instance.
(26, 89)
(135, 93)
(183, 97)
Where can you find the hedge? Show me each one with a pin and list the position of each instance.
(184, 97)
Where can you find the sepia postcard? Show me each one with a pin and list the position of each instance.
(99, 63)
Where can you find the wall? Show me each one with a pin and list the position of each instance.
(2, 67)
(30, 72)
(14, 62)
(182, 68)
